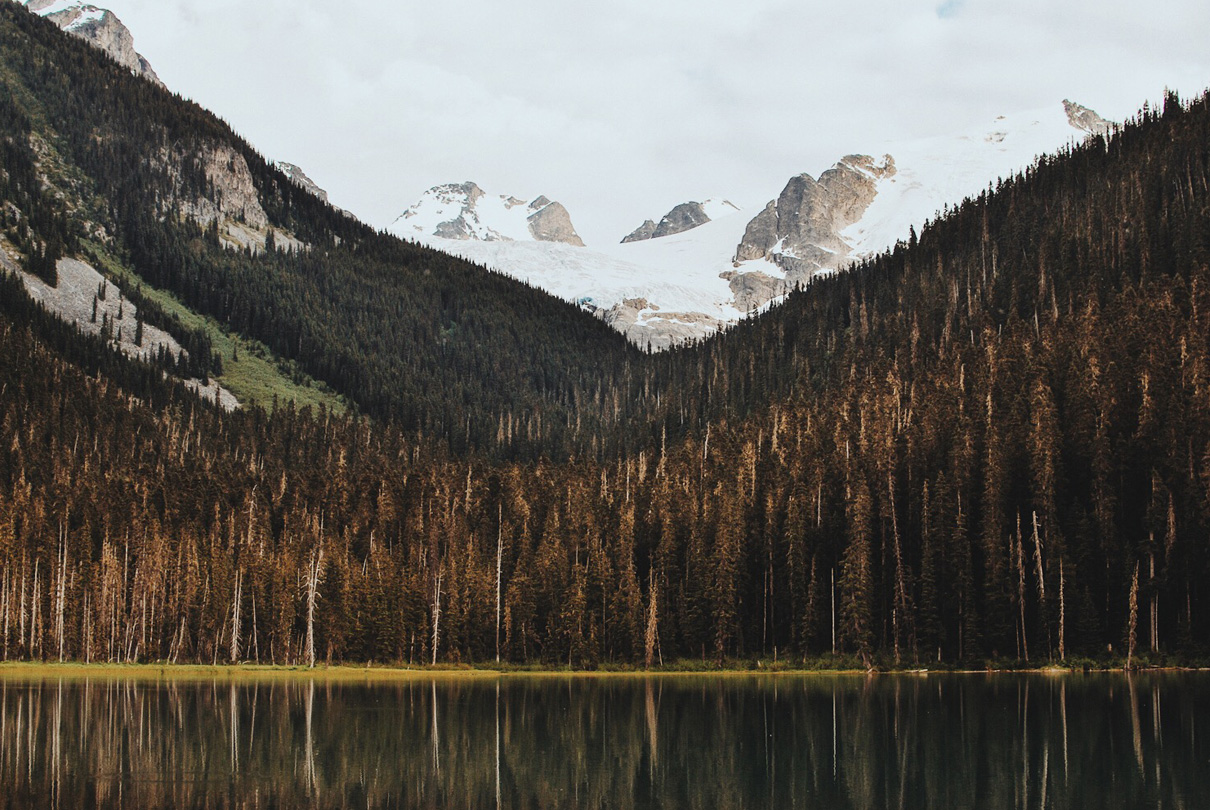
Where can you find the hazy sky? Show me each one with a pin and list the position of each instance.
(621, 109)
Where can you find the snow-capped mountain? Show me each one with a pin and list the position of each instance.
(99, 26)
(706, 272)
(102, 28)
(683, 217)
(463, 211)
(860, 207)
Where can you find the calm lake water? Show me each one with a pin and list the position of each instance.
(905, 741)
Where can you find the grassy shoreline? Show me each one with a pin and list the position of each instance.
(27, 670)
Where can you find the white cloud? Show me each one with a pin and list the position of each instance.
(621, 109)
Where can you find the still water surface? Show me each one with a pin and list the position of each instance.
(905, 741)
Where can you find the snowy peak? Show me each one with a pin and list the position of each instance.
(463, 211)
(861, 206)
(683, 217)
(800, 231)
(99, 26)
(706, 270)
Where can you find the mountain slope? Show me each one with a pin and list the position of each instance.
(99, 26)
(405, 333)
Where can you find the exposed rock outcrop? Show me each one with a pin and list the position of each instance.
(753, 289)
(684, 217)
(801, 230)
(99, 26)
(232, 192)
(1086, 120)
(463, 211)
(299, 178)
(552, 223)
(641, 233)
(645, 325)
(73, 300)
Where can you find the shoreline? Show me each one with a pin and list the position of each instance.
(25, 670)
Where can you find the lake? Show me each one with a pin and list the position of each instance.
(520, 741)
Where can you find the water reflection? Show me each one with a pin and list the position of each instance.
(992, 742)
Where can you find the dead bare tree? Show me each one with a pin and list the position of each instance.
(313, 576)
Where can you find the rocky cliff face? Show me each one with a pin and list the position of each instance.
(233, 194)
(800, 231)
(640, 234)
(99, 26)
(464, 211)
(550, 222)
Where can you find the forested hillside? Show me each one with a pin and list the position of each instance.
(407, 334)
(991, 443)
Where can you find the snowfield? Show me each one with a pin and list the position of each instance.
(679, 279)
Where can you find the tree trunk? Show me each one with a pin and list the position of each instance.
(313, 576)
(1132, 638)
(437, 614)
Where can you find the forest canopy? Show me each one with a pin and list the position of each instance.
(992, 442)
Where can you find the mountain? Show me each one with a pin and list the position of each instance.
(285, 296)
(99, 26)
(862, 206)
(465, 212)
(102, 28)
(683, 217)
(705, 266)
(801, 231)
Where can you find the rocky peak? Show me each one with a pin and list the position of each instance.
(683, 217)
(800, 231)
(464, 211)
(99, 26)
(641, 234)
(552, 223)
(299, 178)
(1086, 120)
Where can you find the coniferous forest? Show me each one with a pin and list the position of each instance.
(991, 443)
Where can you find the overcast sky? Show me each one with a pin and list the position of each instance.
(621, 109)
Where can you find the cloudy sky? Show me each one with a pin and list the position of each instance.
(621, 109)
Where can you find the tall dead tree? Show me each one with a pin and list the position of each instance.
(313, 576)
(235, 605)
(437, 610)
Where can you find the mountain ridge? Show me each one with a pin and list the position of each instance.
(464, 211)
(96, 25)
(687, 284)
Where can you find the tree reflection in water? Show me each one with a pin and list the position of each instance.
(996, 741)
